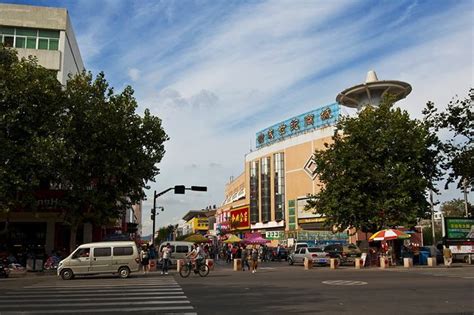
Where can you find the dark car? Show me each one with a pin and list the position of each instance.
(345, 253)
(272, 254)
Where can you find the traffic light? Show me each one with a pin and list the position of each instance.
(179, 189)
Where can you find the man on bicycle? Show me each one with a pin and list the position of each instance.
(197, 256)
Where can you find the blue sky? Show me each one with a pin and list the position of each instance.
(218, 71)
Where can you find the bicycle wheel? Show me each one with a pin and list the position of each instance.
(203, 270)
(185, 271)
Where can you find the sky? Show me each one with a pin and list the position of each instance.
(216, 71)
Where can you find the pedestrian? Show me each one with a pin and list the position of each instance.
(254, 256)
(447, 256)
(165, 255)
(245, 257)
(145, 259)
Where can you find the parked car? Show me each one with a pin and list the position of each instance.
(272, 255)
(316, 254)
(345, 253)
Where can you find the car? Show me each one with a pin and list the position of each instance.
(316, 254)
(346, 253)
(272, 254)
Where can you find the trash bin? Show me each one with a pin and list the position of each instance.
(424, 257)
(34, 264)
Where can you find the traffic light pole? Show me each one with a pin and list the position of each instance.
(179, 189)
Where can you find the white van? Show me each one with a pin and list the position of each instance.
(101, 257)
(179, 249)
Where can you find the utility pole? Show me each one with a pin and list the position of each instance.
(432, 218)
(466, 207)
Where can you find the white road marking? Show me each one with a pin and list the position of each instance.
(344, 282)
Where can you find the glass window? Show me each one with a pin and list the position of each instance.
(182, 249)
(102, 252)
(20, 42)
(31, 42)
(8, 41)
(49, 33)
(279, 186)
(53, 44)
(123, 251)
(7, 30)
(26, 32)
(265, 189)
(82, 253)
(43, 43)
(254, 191)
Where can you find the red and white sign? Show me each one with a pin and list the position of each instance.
(240, 218)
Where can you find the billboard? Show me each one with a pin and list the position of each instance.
(459, 228)
(239, 218)
(307, 216)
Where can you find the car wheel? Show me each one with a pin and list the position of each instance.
(124, 272)
(67, 274)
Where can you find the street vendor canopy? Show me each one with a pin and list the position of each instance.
(388, 235)
(255, 238)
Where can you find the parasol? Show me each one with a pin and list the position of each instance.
(388, 235)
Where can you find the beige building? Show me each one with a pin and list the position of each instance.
(42, 32)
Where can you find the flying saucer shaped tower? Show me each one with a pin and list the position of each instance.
(372, 92)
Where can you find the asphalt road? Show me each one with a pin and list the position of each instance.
(275, 289)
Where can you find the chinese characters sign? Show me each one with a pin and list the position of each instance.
(322, 117)
(459, 227)
(240, 218)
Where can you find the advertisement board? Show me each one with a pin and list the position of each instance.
(459, 228)
(240, 218)
(309, 215)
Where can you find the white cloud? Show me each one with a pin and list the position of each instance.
(134, 74)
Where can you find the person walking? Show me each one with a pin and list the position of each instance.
(245, 257)
(145, 259)
(254, 256)
(447, 256)
(165, 255)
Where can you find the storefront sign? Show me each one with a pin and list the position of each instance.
(457, 228)
(306, 213)
(312, 220)
(275, 235)
(240, 218)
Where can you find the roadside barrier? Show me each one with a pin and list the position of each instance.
(308, 263)
(179, 264)
(153, 264)
(384, 263)
(431, 261)
(334, 263)
(359, 263)
(237, 264)
(408, 262)
(210, 263)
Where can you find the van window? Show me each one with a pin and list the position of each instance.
(123, 251)
(182, 249)
(102, 252)
(81, 253)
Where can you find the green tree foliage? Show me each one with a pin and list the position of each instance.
(30, 107)
(456, 208)
(376, 172)
(457, 122)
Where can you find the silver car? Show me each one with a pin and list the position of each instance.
(316, 254)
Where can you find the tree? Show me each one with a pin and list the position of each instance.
(30, 106)
(109, 151)
(377, 170)
(458, 122)
(455, 208)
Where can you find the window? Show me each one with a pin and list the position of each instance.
(123, 251)
(102, 252)
(82, 253)
(279, 182)
(254, 191)
(265, 189)
(21, 37)
(182, 249)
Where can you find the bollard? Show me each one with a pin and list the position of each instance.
(407, 262)
(431, 261)
(179, 264)
(334, 263)
(384, 263)
(210, 263)
(308, 263)
(153, 264)
(237, 264)
(359, 263)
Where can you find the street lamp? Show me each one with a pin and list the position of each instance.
(178, 189)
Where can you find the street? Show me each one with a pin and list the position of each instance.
(276, 288)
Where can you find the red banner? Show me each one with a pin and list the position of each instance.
(240, 218)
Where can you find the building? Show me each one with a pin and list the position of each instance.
(197, 221)
(270, 196)
(47, 34)
(43, 32)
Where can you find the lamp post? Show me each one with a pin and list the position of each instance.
(178, 189)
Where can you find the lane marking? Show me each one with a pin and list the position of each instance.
(344, 282)
(103, 304)
(169, 308)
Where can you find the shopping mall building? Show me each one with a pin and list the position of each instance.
(270, 196)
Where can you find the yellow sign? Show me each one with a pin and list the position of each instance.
(311, 220)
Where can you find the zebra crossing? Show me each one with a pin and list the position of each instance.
(110, 295)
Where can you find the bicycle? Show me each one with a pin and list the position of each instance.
(201, 268)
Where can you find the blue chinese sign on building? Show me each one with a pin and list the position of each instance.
(322, 117)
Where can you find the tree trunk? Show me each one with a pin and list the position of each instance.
(72, 238)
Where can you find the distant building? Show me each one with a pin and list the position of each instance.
(43, 32)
